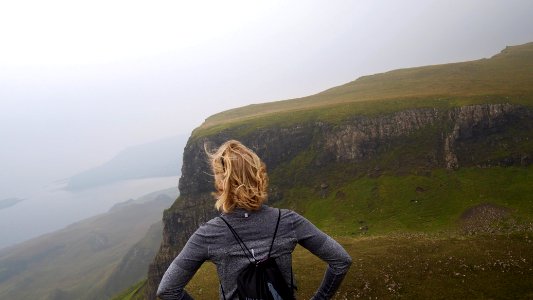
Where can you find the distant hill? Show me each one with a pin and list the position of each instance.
(156, 159)
(5, 203)
(91, 259)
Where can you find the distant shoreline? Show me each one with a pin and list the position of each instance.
(8, 202)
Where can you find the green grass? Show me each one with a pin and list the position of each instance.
(414, 266)
(336, 113)
(132, 293)
(412, 203)
(451, 267)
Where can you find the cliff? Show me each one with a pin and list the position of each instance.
(346, 158)
(410, 141)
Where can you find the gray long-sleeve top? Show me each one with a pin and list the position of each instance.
(214, 241)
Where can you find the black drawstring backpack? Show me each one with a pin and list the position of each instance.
(261, 279)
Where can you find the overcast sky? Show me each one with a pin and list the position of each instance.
(82, 80)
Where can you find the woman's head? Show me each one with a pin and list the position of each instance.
(240, 177)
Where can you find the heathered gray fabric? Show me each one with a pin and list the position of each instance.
(214, 241)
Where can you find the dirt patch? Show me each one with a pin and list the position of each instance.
(340, 195)
(485, 218)
(420, 189)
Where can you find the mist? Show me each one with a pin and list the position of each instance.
(53, 208)
(81, 82)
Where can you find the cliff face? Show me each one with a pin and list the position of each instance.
(408, 141)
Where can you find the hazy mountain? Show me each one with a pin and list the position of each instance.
(156, 159)
(77, 261)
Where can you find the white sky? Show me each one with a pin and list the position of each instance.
(81, 80)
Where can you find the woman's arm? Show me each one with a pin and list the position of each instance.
(327, 249)
(183, 268)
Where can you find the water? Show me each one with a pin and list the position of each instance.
(54, 208)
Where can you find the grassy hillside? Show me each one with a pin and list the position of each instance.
(414, 203)
(135, 292)
(411, 266)
(505, 77)
(76, 262)
(458, 234)
(133, 265)
(414, 266)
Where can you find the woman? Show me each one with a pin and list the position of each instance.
(241, 185)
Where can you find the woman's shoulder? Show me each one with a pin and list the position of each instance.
(286, 213)
(215, 221)
(289, 212)
(210, 227)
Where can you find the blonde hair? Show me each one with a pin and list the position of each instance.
(241, 179)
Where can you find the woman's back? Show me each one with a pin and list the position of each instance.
(256, 229)
(214, 241)
(241, 184)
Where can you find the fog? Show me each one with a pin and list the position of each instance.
(53, 208)
(80, 81)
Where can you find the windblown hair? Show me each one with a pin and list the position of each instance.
(241, 179)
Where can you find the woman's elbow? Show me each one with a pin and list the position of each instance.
(172, 294)
(341, 264)
(160, 293)
(347, 262)
(164, 293)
